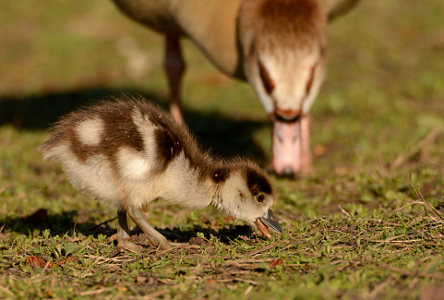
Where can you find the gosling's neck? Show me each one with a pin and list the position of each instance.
(227, 190)
(189, 184)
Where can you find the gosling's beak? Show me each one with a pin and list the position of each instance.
(266, 222)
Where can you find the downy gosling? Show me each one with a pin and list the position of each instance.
(128, 153)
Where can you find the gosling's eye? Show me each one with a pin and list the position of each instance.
(260, 198)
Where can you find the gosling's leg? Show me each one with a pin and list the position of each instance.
(154, 237)
(174, 66)
(123, 233)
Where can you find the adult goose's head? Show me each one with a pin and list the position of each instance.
(283, 44)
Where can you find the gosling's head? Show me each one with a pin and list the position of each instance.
(246, 194)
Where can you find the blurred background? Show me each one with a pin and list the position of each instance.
(382, 97)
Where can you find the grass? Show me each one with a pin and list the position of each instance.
(366, 224)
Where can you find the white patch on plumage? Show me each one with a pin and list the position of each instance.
(90, 131)
(132, 164)
(146, 129)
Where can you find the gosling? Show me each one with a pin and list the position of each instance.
(128, 153)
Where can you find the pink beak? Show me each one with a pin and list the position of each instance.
(287, 147)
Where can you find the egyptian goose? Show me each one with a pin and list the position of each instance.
(278, 46)
(129, 152)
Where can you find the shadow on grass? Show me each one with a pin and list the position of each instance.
(64, 223)
(58, 224)
(225, 235)
(231, 137)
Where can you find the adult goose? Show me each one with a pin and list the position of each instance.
(278, 46)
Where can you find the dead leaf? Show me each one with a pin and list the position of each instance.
(121, 288)
(37, 261)
(275, 262)
(320, 150)
(64, 261)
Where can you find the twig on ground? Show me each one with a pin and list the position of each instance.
(248, 290)
(344, 211)
(47, 265)
(381, 167)
(421, 149)
(433, 210)
(405, 206)
(6, 290)
(412, 273)
(246, 261)
(93, 292)
(396, 241)
(252, 282)
(415, 280)
(156, 294)
(254, 252)
(374, 293)
(247, 264)
(100, 224)
(166, 281)
(101, 259)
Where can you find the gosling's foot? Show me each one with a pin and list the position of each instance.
(129, 246)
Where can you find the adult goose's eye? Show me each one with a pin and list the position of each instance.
(260, 198)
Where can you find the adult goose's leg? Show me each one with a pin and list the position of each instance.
(174, 67)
